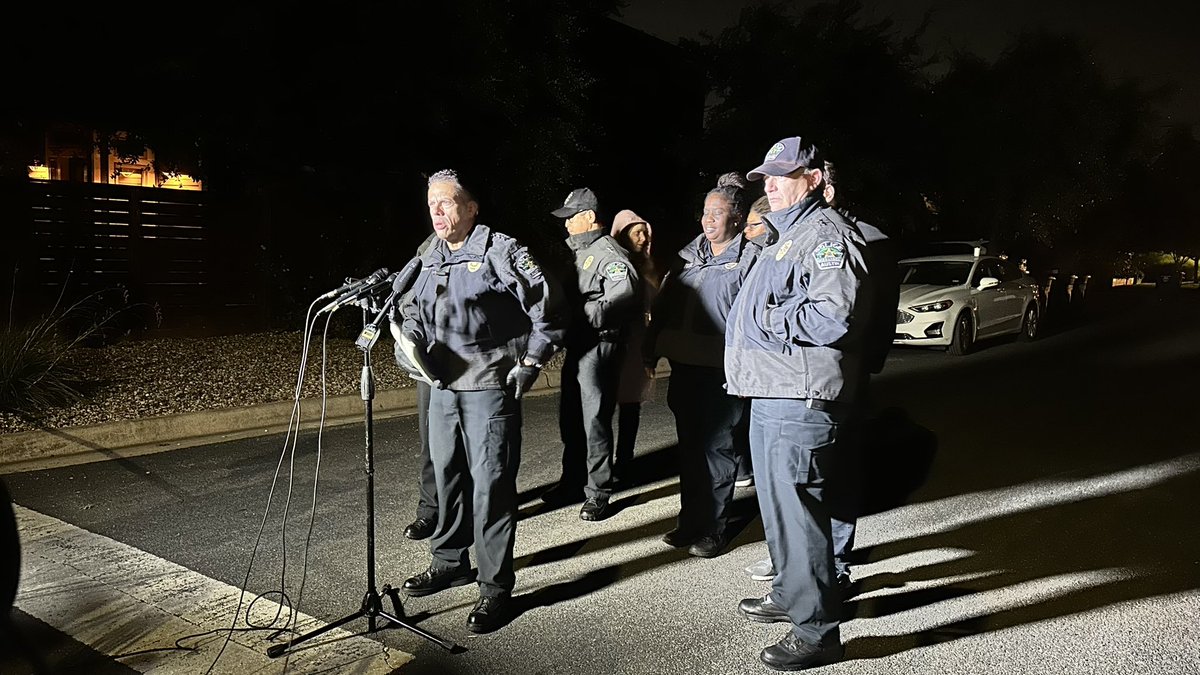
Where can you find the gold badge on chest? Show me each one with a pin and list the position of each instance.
(588, 263)
(474, 266)
(787, 246)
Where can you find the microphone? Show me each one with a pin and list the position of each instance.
(363, 288)
(372, 278)
(400, 282)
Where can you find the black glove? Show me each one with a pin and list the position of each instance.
(521, 378)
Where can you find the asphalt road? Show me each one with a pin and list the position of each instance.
(1052, 529)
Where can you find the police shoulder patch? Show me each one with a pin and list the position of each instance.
(528, 266)
(830, 255)
(616, 271)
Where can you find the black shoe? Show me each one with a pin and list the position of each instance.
(678, 538)
(762, 610)
(421, 528)
(437, 579)
(561, 495)
(792, 653)
(595, 508)
(709, 546)
(489, 613)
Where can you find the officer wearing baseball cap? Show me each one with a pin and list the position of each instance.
(794, 346)
(606, 303)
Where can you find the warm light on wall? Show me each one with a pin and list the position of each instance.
(179, 181)
(39, 172)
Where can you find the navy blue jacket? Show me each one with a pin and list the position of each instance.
(798, 326)
(482, 308)
(688, 319)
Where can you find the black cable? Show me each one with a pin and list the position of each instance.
(295, 616)
(293, 423)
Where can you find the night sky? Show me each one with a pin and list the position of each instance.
(1152, 41)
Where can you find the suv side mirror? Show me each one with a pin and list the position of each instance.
(988, 282)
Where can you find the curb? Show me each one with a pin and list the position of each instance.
(50, 448)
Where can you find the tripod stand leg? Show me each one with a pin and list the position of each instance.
(275, 651)
(444, 644)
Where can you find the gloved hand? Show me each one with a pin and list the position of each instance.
(521, 378)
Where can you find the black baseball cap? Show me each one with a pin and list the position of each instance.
(786, 156)
(580, 200)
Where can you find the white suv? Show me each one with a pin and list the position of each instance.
(953, 300)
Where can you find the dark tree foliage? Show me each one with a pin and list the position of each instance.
(1036, 146)
(825, 73)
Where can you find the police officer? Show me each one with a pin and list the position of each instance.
(881, 259)
(607, 300)
(793, 345)
(688, 328)
(482, 319)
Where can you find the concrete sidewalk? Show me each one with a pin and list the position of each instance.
(51, 448)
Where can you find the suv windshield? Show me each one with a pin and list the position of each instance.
(936, 273)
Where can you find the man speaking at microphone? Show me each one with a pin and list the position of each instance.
(484, 319)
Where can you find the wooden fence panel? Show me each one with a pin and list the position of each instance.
(164, 248)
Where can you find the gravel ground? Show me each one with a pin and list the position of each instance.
(175, 375)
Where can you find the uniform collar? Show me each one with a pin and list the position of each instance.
(783, 221)
(584, 239)
(699, 252)
(474, 247)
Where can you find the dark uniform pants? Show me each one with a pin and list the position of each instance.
(590, 375)
(475, 445)
(706, 419)
(797, 470)
(427, 500)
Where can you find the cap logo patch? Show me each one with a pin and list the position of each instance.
(830, 255)
(783, 250)
(474, 266)
(774, 152)
(588, 263)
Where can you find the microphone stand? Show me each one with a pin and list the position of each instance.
(372, 602)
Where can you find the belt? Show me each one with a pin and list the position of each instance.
(832, 407)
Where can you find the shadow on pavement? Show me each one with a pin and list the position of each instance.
(1074, 557)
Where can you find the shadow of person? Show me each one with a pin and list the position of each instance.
(897, 455)
(1089, 544)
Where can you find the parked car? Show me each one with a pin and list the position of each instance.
(952, 301)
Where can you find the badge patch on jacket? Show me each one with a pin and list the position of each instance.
(783, 250)
(830, 255)
(474, 266)
(616, 271)
(731, 265)
(588, 263)
(528, 266)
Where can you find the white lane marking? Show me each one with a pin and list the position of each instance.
(119, 599)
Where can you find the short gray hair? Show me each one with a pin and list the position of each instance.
(450, 176)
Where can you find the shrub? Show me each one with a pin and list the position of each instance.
(35, 371)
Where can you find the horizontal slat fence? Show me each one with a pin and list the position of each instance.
(173, 252)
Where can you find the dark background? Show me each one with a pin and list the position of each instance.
(1055, 132)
